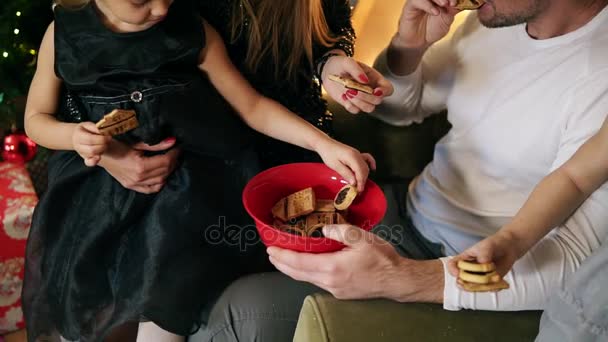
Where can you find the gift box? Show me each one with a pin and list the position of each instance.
(17, 202)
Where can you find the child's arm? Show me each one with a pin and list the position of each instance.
(40, 122)
(553, 200)
(272, 119)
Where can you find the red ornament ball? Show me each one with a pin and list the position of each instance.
(18, 148)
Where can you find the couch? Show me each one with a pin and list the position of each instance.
(401, 153)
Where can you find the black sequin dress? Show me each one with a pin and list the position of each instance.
(302, 95)
(100, 255)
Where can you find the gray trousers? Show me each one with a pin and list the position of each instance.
(265, 307)
(579, 312)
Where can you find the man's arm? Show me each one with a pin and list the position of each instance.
(546, 267)
(369, 267)
(417, 281)
(551, 202)
(420, 68)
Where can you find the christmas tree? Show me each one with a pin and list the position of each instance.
(22, 26)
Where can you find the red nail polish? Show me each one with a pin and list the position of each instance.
(378, 92)
(352, 92)
(170, 140)
(364, 78)
(344, 97)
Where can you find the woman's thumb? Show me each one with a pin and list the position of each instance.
(355, 71)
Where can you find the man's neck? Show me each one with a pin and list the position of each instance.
(562, 17)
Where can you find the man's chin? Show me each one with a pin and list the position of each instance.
(496, 21)
(490, 18)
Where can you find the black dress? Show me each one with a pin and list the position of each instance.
(100, 255)
(302, 95)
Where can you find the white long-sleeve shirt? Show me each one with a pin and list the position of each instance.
(519, 108)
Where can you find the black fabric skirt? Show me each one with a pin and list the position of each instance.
(100, 255)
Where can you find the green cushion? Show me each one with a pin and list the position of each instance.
(324, 318)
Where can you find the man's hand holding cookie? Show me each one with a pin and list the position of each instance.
(424, 22)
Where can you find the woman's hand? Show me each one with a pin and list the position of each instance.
(501, 248)
(89, 143)
(136, 171)
(352, 100)
(424, 22)
(351, 164)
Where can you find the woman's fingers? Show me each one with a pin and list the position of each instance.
(362, 105)
(348, 105)
(355, 70)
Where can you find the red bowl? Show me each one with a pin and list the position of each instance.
(268, 187)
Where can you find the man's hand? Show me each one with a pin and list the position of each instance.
(368, 267)
(424, 22)
(137, 172)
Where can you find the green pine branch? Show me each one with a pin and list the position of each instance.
(22, 26)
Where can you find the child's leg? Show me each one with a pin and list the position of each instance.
(150, 332)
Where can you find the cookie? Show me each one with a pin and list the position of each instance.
(491, 287)
(345, 197)
(479, 278)
(301, 203)
(340, 218)
(472, 266)
(318, 220)
(280, 210)
(476, 277)
(352, 84)
(325, 206)
(118, 121)
(464, 5)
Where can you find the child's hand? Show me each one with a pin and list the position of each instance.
(355, 101)
(89, 143)
(351, 164)
(500, 248)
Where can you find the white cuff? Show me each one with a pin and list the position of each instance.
(451, 291)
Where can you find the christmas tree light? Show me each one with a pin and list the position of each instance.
(22, 26)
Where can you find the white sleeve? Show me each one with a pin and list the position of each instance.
(546, 267)
(423, 92)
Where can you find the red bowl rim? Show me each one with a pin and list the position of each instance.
(300, 240)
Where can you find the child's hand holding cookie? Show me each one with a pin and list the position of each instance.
(89, 143)
(351, 164)
(501, 248)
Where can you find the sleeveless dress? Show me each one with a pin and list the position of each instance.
(100, 255)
